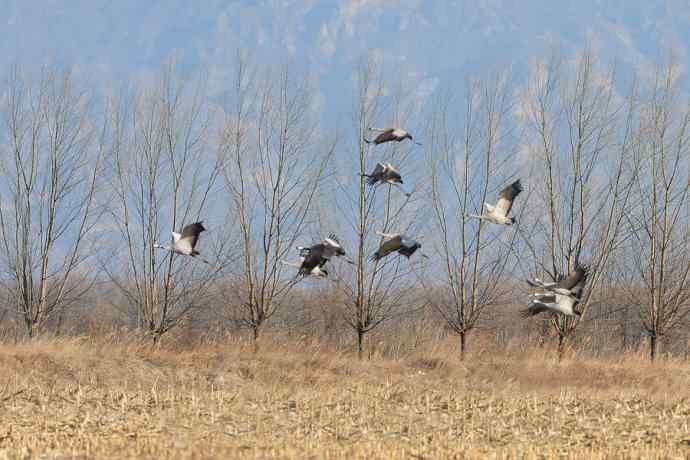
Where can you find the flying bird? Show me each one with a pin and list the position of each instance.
(559, 297)
(330, 247)
(185, 243)
(498, 214)
(309, 265)
(313, 259)
(385, 173)
(573, 283)
(396, 242)
(390, 135)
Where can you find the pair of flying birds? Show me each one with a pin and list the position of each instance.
(559, 296)
(313, 259)
(385, 173)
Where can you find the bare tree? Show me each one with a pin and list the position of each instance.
(658, 276)
(275, 164)
(582, 176)
(377, 290)
(163, 175)
(49, 164)
(475, 256)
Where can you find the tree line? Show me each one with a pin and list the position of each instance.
(91, 180)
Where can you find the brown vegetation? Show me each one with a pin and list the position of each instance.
(120, 397)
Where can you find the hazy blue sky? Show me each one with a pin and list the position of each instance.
(425, 41)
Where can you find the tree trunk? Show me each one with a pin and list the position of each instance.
(624, 330)
(360, 343)
(463, 344)
(60, 322)
(652, 346)
(256, 331)
(29, 328)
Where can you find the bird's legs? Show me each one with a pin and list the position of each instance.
(400, 187)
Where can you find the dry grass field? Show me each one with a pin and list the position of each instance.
(115, 398)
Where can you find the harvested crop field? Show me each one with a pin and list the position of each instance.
(84, 398)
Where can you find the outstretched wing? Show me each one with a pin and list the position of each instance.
(334, 237)
(537, 283)
(191, 233)
(329, 251)
(579, 288)
(332, 246)
(408, 251)
(408, 246)
(387, 247)
(506, 197)
(545, 297)
(392, 174)
(386, 136)
(534, 309)
(575, 281)
(377, 174)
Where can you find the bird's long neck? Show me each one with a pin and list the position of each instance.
(291, 264)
